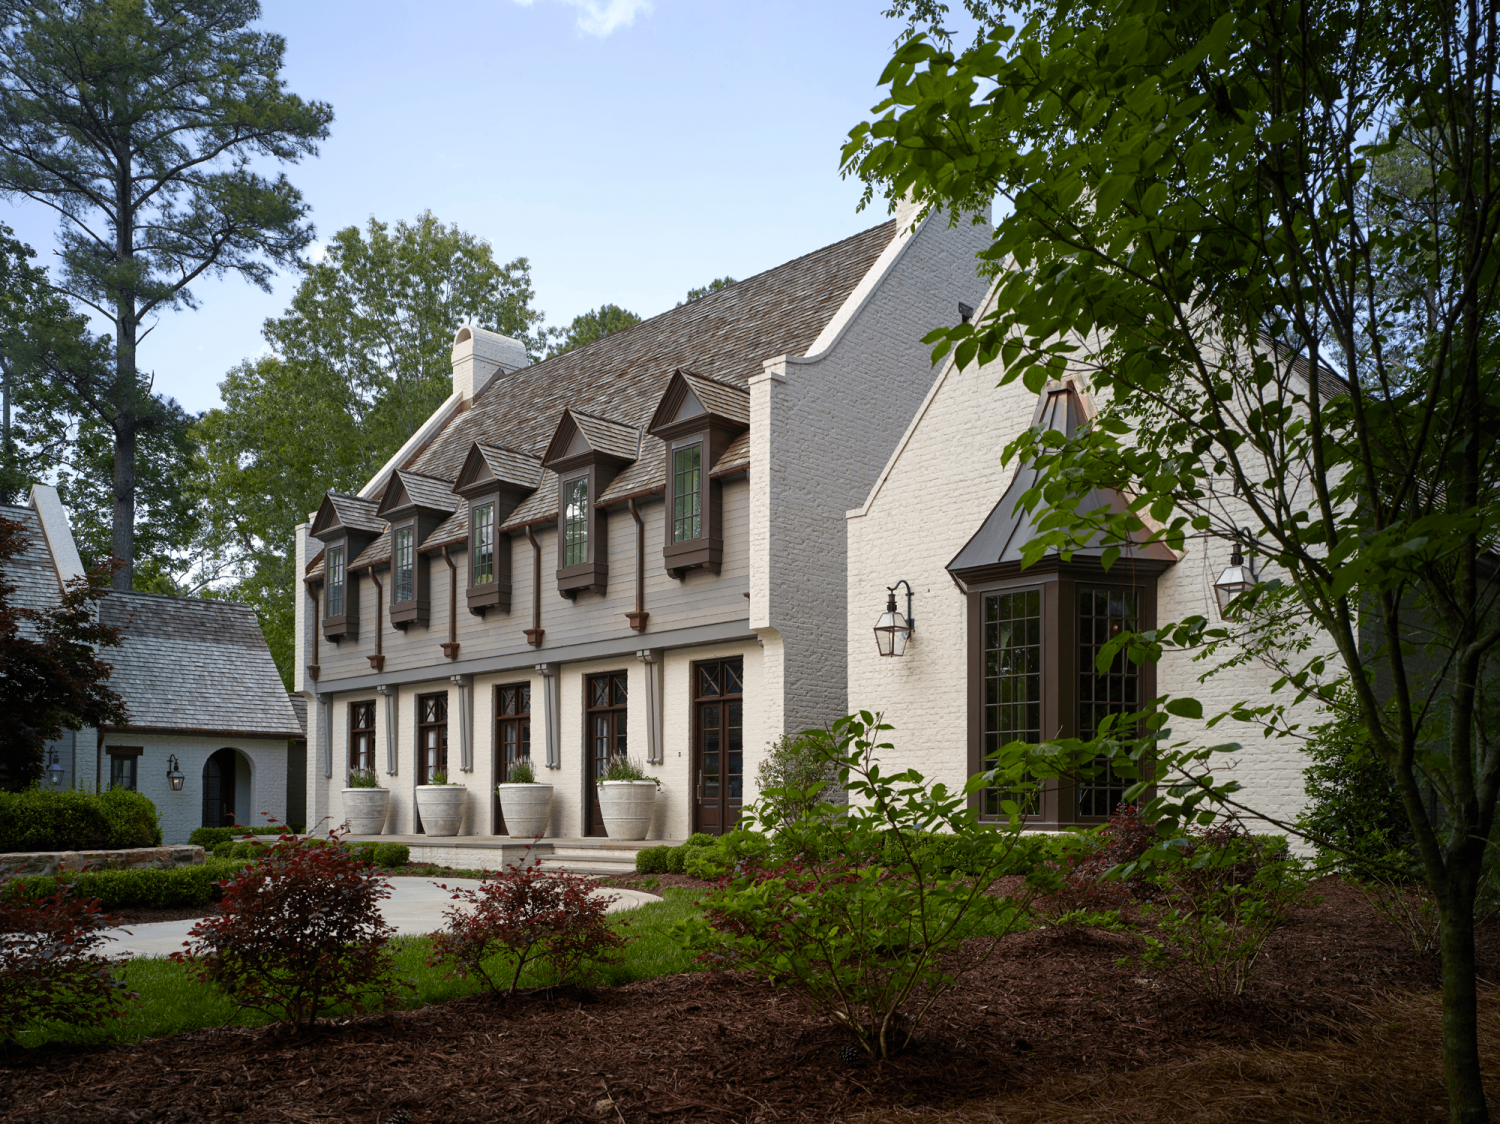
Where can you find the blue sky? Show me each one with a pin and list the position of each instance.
(631, 150)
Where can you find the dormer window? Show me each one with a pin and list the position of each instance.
(698, 419)
(687, 498)
(576, 521)
(586, 452)
(483, 544)
(336, 581)
(494, 480)
(404, 564)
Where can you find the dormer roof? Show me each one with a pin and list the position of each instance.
(339, 515)
(411, 491)
(490, 465)
(692, 400)
(997, 546)
(582, 438)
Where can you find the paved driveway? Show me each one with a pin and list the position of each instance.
(415, 907)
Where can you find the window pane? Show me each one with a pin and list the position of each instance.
(576, 521)
(403, 561)
(484, 544)
(336, 581)
(1012, 681)
(1102, 615)
(687, 518)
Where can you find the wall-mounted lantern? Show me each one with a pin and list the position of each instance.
(892, 630)
(1237, 578)
(54, 771)
(174, 774)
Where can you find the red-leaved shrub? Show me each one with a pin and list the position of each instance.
(535, 916)
(1079, 882)
(300, 935)
(49, 966)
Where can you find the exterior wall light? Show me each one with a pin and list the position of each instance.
(174, 774)
(892, 630)
(1236, 579)
(54, 770)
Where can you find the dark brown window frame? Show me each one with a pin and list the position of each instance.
(619, 721)
(706, 551)
(343, 625)
(424, 773)
(359, 734)
(592, 574)
(723, 698)
(1058, 583)
(502, 720)
(481, 597)
(126, 754)
(416, 609)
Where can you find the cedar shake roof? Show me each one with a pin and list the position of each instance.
(421, 491)
(725, 336)
(511, 467)
(186, 664)
(353, 513)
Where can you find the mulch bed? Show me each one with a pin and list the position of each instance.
(724, 1047)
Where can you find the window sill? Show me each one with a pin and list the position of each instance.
(585, 577)
(405, 613)
(695, 554)
(490, 595)
(344, 627)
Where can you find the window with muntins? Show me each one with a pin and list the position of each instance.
(122, 771)
(432, 736)
(687, 496)
(576, 521)
(362, 736)
(1102, 615)
(484, 544)
(403, 562)
(336, 581)
(1012, 679)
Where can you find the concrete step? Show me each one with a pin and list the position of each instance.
(590, 860)
(581, 866)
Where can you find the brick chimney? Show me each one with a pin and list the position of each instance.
(479, 355)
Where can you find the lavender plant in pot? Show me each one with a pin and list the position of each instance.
(525, 802)
(365, 802)
(627, 799)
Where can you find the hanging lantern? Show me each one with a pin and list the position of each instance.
(174, 774)
(892, 630)
(1236, 579)
(55, 772)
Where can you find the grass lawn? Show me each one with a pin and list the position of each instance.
(171, 1002)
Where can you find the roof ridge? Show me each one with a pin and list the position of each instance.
(180, 598)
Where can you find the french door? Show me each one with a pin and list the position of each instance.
(606, 739)
(432, 739)
(512, 737)
(718, 744)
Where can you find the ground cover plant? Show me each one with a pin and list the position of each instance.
(870, 944)
(300, 935)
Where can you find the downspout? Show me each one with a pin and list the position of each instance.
(450, 649)
(638, 618)
(377, 661)
(535, 633)
(317, 627)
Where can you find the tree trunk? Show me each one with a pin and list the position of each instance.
(1466, 1102)
(123, 514)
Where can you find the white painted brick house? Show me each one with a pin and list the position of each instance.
(1001, 654)
(200, 689)
(682, 485)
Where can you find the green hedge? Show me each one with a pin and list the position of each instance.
(132, 889)
(210, 837)
(73, 820)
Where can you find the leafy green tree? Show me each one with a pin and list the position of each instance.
(137, 121)
(1195, 221)
(359, 361)
(592, 325)
(712, 287)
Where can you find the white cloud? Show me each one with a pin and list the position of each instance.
(596, 18)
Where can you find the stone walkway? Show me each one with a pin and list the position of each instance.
(415, 907)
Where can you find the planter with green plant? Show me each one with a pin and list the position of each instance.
(525, 802)
(441, 804)
(365, 802)
(627, 799)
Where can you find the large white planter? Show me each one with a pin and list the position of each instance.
(364, 810)
(627, 807)
(441, 807)
(527, 808)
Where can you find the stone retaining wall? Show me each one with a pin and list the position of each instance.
(136, 858)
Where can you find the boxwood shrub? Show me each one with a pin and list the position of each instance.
(131, 889)
(73, 820)
(210, 837)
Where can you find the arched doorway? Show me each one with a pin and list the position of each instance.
(220, 789)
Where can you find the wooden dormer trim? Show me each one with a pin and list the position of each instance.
(587, 453)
